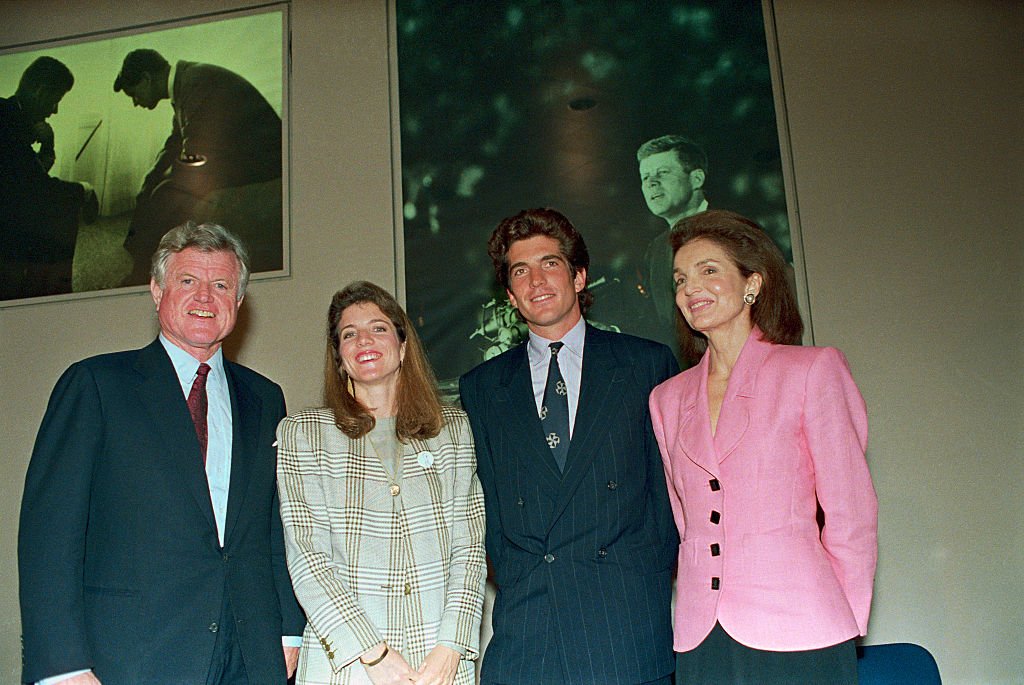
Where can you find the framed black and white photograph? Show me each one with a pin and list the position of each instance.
(109, 140)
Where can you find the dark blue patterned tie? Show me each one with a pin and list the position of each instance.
(554, 411)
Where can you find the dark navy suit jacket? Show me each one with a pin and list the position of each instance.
(120, 567)
(582, 559)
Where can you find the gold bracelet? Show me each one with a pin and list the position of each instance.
(377, 660)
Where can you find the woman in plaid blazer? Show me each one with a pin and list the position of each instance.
(382, 510)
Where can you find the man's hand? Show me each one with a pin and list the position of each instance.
(91, 206)
(291, 660)
(42, 133)
(393, 670)
(439, 667)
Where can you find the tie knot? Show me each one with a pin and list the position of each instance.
(203, 370)
(555, 347)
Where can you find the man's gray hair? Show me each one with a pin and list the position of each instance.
(205, 238)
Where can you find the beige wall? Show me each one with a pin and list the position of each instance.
(906, 132)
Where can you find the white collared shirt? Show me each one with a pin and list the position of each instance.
(570, 363)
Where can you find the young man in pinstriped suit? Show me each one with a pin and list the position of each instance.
(581, 540)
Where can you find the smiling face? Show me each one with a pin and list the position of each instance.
(370, 350)
(671, 192)
(198, 304)
(710, 289)
(543, 287)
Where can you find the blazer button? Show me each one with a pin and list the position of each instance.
(549, 558)
(603, 552)
(520, 502)
(330, 655)
(715, 485)
(715, 583)
(612, 485)
(407, 589)
(715, 549)
(395, 489)
(715, 517)
(213, 627)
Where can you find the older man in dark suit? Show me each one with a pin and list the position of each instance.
(224, 134)
(579, 528)
(150, 549)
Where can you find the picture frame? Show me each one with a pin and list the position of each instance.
(227, 162)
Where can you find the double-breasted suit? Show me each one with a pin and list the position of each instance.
(120, 565)
(791, 433)
(582, 558)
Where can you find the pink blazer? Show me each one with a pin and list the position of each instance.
(791, 433)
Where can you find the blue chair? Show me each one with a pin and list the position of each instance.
(899, 663)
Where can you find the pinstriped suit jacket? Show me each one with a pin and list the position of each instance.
(368, 565)
(583, 558)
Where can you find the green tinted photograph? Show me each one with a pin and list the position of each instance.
(107, 142)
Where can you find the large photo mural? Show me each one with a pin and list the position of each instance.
(514, 104)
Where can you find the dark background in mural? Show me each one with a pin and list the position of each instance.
(511, 105)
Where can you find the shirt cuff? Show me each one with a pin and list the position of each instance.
(291, 640)
(54, 679)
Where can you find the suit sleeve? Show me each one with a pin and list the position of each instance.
(836, 430)
(467, 568)
(331, 609)
(664, 367)
(293, 620)
(485, 466)
(51, 535)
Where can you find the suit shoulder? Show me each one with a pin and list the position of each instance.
(310, 416)
(254, 379)
(107, 363)
(671, 387)
(805, 355)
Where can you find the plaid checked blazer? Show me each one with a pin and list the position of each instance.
(368, 565)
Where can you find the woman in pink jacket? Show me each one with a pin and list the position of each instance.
(754, 438)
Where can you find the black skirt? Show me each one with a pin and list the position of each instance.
(720, 660)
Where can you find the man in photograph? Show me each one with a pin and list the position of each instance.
(579, 528)
(39, 213)
(150, 548)
(673, 170)
(224, 134)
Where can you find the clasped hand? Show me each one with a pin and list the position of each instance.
(438, 668)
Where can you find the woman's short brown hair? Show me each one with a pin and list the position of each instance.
(418, 406)
(752, 251)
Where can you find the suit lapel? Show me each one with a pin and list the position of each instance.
(693, 432)
(160, 394)
(246, 410)
(734, 417)
(515, 400)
